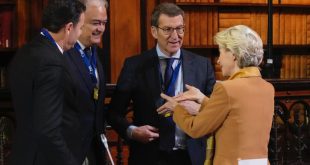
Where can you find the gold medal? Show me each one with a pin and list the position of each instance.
(168, 114)
(96, 93)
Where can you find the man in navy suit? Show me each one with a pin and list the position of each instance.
(153, 139)
(36, 81)
(85, 85)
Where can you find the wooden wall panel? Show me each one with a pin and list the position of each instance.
(125, 33)
(23, 22)
(29, 19)
(150, 7)
(36, 17)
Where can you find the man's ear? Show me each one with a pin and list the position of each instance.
(68, 27)
(154, 32)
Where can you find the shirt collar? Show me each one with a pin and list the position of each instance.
(161, 55)
(81, 45)
(59, 47)
(246, 72)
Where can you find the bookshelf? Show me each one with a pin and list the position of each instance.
(9, 42)
(7, 16)
(7, 37)
(7, 49)
(291, 30)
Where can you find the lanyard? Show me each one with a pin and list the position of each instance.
(175, 75)
(90, 66)
(48, 36)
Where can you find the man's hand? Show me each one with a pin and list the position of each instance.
(145, 133)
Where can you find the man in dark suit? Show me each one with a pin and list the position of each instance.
(153, 139)
(36, 81)
(85, 88)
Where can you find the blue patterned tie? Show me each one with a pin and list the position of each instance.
(168, 77)
(88, 53)
(167, 126)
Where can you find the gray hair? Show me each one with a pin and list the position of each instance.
(244, 43)
(100, 2)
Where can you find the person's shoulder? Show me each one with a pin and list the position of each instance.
(268, 85)
(194, 56)
(34, 47)
(142, 57)
(70, 52)
(44, 50)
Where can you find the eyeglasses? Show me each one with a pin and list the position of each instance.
(170, 30)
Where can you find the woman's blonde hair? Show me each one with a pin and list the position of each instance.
(244, 43)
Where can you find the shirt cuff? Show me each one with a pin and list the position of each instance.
(129, 131)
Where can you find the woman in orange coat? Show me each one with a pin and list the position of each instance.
(240, 109)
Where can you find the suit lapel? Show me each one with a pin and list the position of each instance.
(152, 75)
(101, 76)
(100, 72)
(188, 69)
(84, 73)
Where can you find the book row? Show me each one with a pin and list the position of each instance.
(202, 24)
(298, 2)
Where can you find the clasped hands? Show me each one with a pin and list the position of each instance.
(191, 101)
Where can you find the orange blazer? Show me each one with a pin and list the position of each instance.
(240, 112)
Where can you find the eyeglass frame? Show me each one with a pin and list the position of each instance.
(170, 30)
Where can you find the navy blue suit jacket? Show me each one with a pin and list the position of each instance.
(37, 84)
(86, 115)
(139, 82)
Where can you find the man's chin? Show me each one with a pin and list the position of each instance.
(174, 49)
(96, 42)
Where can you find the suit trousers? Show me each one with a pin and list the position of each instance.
(174, 157)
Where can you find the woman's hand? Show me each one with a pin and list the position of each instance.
(191, 107)
(192, 93)
(168, 107)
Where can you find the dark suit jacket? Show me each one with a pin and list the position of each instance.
(86, 114)
(139, 81)
(36, 81)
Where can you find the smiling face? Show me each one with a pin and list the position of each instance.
(95, 20)
(169, 44)
(228, 62)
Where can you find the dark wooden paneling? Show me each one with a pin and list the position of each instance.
(149, 38)
(23, 21)
(35, 17)
(125, 33)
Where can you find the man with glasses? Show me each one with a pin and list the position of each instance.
(154, 139)
(84, 92)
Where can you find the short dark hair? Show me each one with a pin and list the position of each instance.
(169, 9)
(105, 3)
(60, 12)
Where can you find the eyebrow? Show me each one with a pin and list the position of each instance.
(173, 27)
(97, 20)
